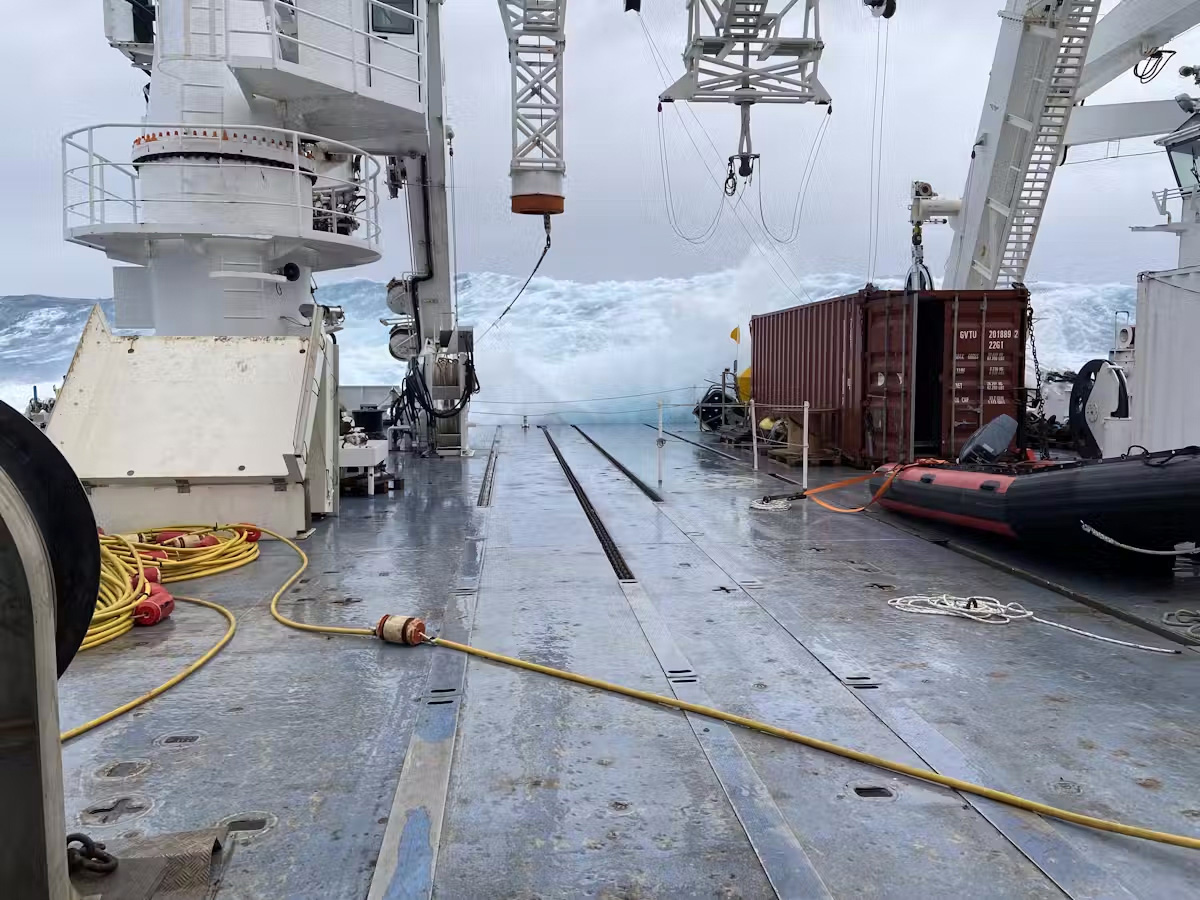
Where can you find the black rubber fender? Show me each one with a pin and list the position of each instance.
(64, 517)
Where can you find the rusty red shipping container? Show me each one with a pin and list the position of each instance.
(892, 376)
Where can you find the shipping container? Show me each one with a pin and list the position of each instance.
(892, 376)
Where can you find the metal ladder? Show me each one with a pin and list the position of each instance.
(540, 15)
(1075, 25)
(744, 19)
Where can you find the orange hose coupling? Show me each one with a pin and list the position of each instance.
(407, 630)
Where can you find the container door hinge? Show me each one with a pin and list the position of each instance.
(182, 486)
(280, 484)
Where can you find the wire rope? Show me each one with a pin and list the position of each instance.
(758, 245)
(802, 194)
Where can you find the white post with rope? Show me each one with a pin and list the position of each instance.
(754, 433)
(661, 442)
(804, 449)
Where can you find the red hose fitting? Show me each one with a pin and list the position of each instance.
(155, 607)
(252, 534)
(151, 574)
(407, 630)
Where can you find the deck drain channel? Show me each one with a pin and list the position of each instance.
(615, 559)
(641, 485)
(489, 475)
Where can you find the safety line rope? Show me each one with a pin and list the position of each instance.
(1189, 551)
(990, 611)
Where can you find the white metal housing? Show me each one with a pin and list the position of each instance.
(354, 70)
(260, 173)
(200, 429)
(1166, 408)
(536, 32)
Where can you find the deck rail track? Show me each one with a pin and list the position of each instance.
(611, 550)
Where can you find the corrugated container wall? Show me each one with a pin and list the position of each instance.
(875, 369)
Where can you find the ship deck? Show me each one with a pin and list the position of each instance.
(416, 772)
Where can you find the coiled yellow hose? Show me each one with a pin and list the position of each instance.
(124, 559)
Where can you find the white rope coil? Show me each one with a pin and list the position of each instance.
(991, 611)
(771, 505)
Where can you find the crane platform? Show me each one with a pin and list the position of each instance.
(347, 768)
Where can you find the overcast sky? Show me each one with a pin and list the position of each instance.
(60, 74)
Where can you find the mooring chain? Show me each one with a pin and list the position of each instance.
(89, 856)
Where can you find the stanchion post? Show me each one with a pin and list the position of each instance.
(754, 433)
(804, 471)
(660, 442)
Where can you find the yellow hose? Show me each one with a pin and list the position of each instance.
(957, 784)
(239, 552)
(123, 583)
(166, 685)
(119, 592)
(122, 573)
(292, 623)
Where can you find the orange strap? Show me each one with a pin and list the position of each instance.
(858, 479)
(849, 481)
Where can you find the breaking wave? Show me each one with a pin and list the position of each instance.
(567, 343)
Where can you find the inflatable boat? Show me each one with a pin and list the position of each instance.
(1148, 501)
(1122, 504)
(1140, 505)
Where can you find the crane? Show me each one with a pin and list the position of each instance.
(1049, 57)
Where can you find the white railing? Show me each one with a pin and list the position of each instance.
(1164, 197)
(99, 192)
(347, 38)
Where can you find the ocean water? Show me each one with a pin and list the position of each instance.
(571, 351)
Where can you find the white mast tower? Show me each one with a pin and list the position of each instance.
(255, 167)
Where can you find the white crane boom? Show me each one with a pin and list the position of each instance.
(1035, 79)
(1036, 82)
(1129, 31)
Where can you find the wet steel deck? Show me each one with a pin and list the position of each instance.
(410, 772)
